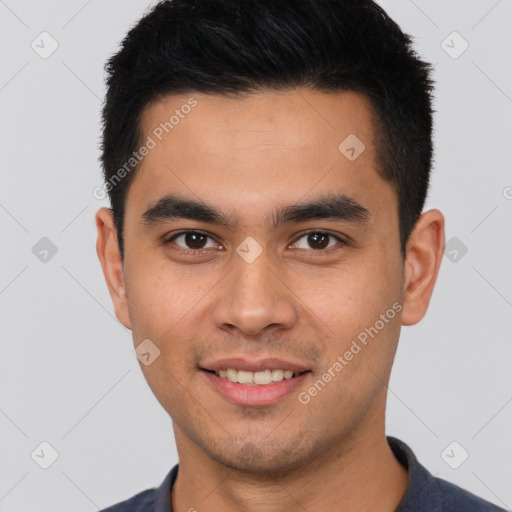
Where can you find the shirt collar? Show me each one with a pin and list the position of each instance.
(421, 487)
(163, 493)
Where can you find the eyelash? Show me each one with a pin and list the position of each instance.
(167, 241)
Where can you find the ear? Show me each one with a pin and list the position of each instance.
(109, 255)
(424, 254)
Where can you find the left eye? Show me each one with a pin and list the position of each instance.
(318, 240)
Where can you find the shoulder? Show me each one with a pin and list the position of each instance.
(142, 502)
(150, 500)
(426, 493)
(456, 498)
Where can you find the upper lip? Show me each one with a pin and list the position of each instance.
(241, 363)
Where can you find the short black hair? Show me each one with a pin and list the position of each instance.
(235, 47)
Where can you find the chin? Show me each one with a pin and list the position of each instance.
(263, 459)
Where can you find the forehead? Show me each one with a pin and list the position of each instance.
(268, 145)
(296, 118)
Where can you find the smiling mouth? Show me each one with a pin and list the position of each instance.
(260, 378)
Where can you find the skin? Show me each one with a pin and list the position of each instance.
(296, 302)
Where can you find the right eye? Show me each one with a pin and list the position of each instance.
(190, 242)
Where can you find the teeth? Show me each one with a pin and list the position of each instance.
(259, 378)
(232, 375)
(277, 375)
(264, 377)
(245, 377)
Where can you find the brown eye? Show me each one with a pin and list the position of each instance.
(192, 241)
(317, 240)
(195, 240)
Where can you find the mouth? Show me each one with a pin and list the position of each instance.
(254, 384)
(259, 378)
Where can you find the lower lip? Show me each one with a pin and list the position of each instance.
(254, 394)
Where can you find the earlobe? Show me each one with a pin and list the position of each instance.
(107, 248)
(424, 254)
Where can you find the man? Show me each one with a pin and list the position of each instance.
(267, 164)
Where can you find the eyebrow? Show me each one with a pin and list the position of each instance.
(332, 206)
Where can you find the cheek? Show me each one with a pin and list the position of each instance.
(351, 299)
(359, 305)
(160, 297)
(163, 306)
(167, 308)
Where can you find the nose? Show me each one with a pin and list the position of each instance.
(253, 298)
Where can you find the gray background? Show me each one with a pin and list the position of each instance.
(67, 372)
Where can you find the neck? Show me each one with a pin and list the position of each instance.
(360, 473)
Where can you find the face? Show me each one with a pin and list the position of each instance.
(252, 242)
